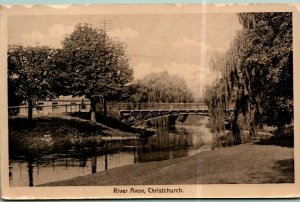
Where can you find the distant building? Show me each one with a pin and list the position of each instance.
(62, 104)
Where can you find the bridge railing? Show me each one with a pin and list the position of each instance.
(155, 106)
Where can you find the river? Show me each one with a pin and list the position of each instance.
(167, 142)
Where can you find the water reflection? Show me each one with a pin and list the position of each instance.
(24, 173)
(167, 143)
(30, 174)
(173, 142)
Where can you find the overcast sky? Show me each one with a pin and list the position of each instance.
(177, 43)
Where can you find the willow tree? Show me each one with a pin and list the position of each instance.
(97, 66)
(257, 72)
(163, 87)
(267, 66)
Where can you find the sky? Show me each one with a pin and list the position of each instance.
(178, 43)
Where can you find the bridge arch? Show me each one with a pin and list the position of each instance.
(138, 116)
(136, 112)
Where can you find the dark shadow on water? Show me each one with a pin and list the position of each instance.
(283, 141)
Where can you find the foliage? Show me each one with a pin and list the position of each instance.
(162, 87)
(30, 74)
(13, 99)
(61, 86)
(97, 66)
(257, 73)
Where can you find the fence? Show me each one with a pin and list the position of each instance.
(51, 107)
(113, 108)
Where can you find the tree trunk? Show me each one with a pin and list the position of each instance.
(93, 110)
(253, 128)
(280, 130)
(235, 129)
(104, 107)
(94, 164)
(30, 107)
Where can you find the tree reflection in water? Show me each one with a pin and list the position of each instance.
(167, 143)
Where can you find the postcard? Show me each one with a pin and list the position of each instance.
(150, 101)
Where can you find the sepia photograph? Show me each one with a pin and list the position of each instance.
(135, 100)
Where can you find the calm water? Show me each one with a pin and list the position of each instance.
(167, 143)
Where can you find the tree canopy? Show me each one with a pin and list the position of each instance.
(97, 65)
(30, 74)
(162, 87)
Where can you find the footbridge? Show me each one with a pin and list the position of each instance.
(135, 113)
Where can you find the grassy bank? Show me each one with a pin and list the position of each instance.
(106, 121)
(48, 135)
(247, 163)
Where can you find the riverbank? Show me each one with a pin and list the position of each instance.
(52, 135)
(243, 164)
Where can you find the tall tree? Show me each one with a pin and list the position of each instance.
(257, 72)
(30, 74)
(97, 66)
(267, 66)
